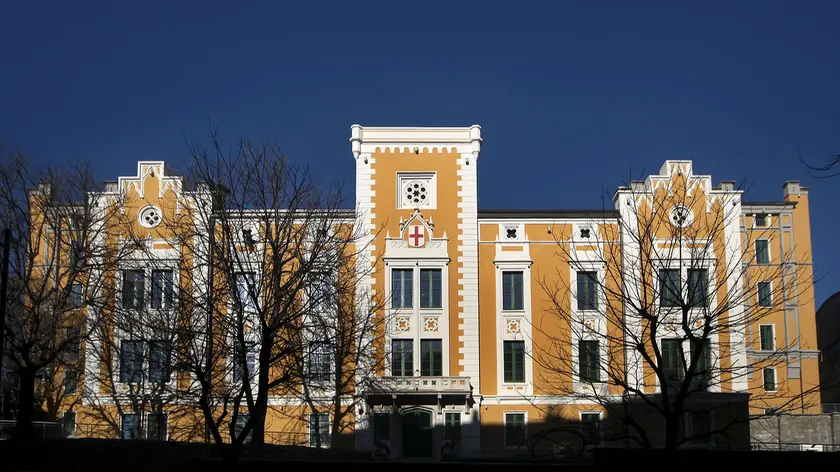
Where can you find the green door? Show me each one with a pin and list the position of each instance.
(417, 433)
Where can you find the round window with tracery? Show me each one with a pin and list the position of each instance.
(149, 217)
(416, 192)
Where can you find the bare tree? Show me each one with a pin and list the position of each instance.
(55, 262)
(656, 310)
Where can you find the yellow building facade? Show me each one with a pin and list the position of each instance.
(501, 325)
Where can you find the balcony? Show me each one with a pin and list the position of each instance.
(423, 390)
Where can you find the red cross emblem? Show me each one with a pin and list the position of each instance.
(416, 236)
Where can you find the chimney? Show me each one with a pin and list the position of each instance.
(792, 187)
(727, 185)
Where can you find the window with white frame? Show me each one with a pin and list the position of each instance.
(319, 430)
(402, 288)
(767, 337)
(68, 422)
(244, 361)
(162, 283)
(70, 382)
(430, 288)
(452, 427)
(587, 290)
(513, 298)
(416, 190)
(769, 374)
(431, 357)
(402, 357)
(761, 220)
(514, 361)
(133, 288)
(670, 292)
(762, 251)
(765, 297)
(672, 359)
(320, 362)
(701, 355)
(157, 426)
(590, 422)
(515, 431)
(698, 288)
(589, 361)
(246, 291)
(76, 294)
(159, 361)
(321, 293)
(238, 428)
(131, 361)
(131, 425)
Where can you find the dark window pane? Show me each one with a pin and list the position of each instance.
(161, 289)
(452, 427)
(68, 422)
(156, 426)
(402, 288)
(589, 360)
(131, 361)
(76, 294)
(514, 429)
(591, 426)
(159, 361)
(73, 340)
(130, 426)
(769, 379)
(672, 359)
(319, 430)
(431, 357)
(764, 295)
(701, 351)
(767, 341)
(762, 251)
(514, 361)
(698, 287)
(512, 291)
(133, 289)
(402, 357)
(381, 427)
(70, 382)
(320, 362)
(242, 372)
(761, 220)
(430, 288)
(587, 290)
(246, 291)
(669, 288)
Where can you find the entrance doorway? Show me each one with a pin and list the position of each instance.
(417, 433)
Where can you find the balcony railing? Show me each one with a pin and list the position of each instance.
(423, 384)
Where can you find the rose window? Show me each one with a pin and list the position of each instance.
(416, 192)
(150, 217)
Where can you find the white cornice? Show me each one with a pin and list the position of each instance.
(366, 139)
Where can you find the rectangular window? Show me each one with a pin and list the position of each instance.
(514, 429)
(591, 427)
(700, 427)
(159, 361)
(669, 287)
(512, 291)
(768, 341)
(761, 220)
(514, 360)
(701, 350)
(246, 291)
(68, 423)
(162, 289)
(133, 288)
(698, 288)
(402, 288)
(131, 361)
(76, 294)
(762, 251)
(452, 428)
(320, 362)
(156, 426)
(589, 360)
(381, 427)
(769, 379)
(319, 430)
(430, 288)
(245, 370)
(321, 293)
(70, 382)
(130, 426)
(73, 340)
(241, 421)
(431, 357)
(764, 296)
(402, 357)
(672, 359)
(587, 290)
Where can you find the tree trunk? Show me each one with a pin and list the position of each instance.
(671, 432)
(258, 420)
(26, 404)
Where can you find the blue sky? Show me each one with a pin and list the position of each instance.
(571, 96)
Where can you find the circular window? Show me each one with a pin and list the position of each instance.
(681, 216)
(416, 192)
(149, 217)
